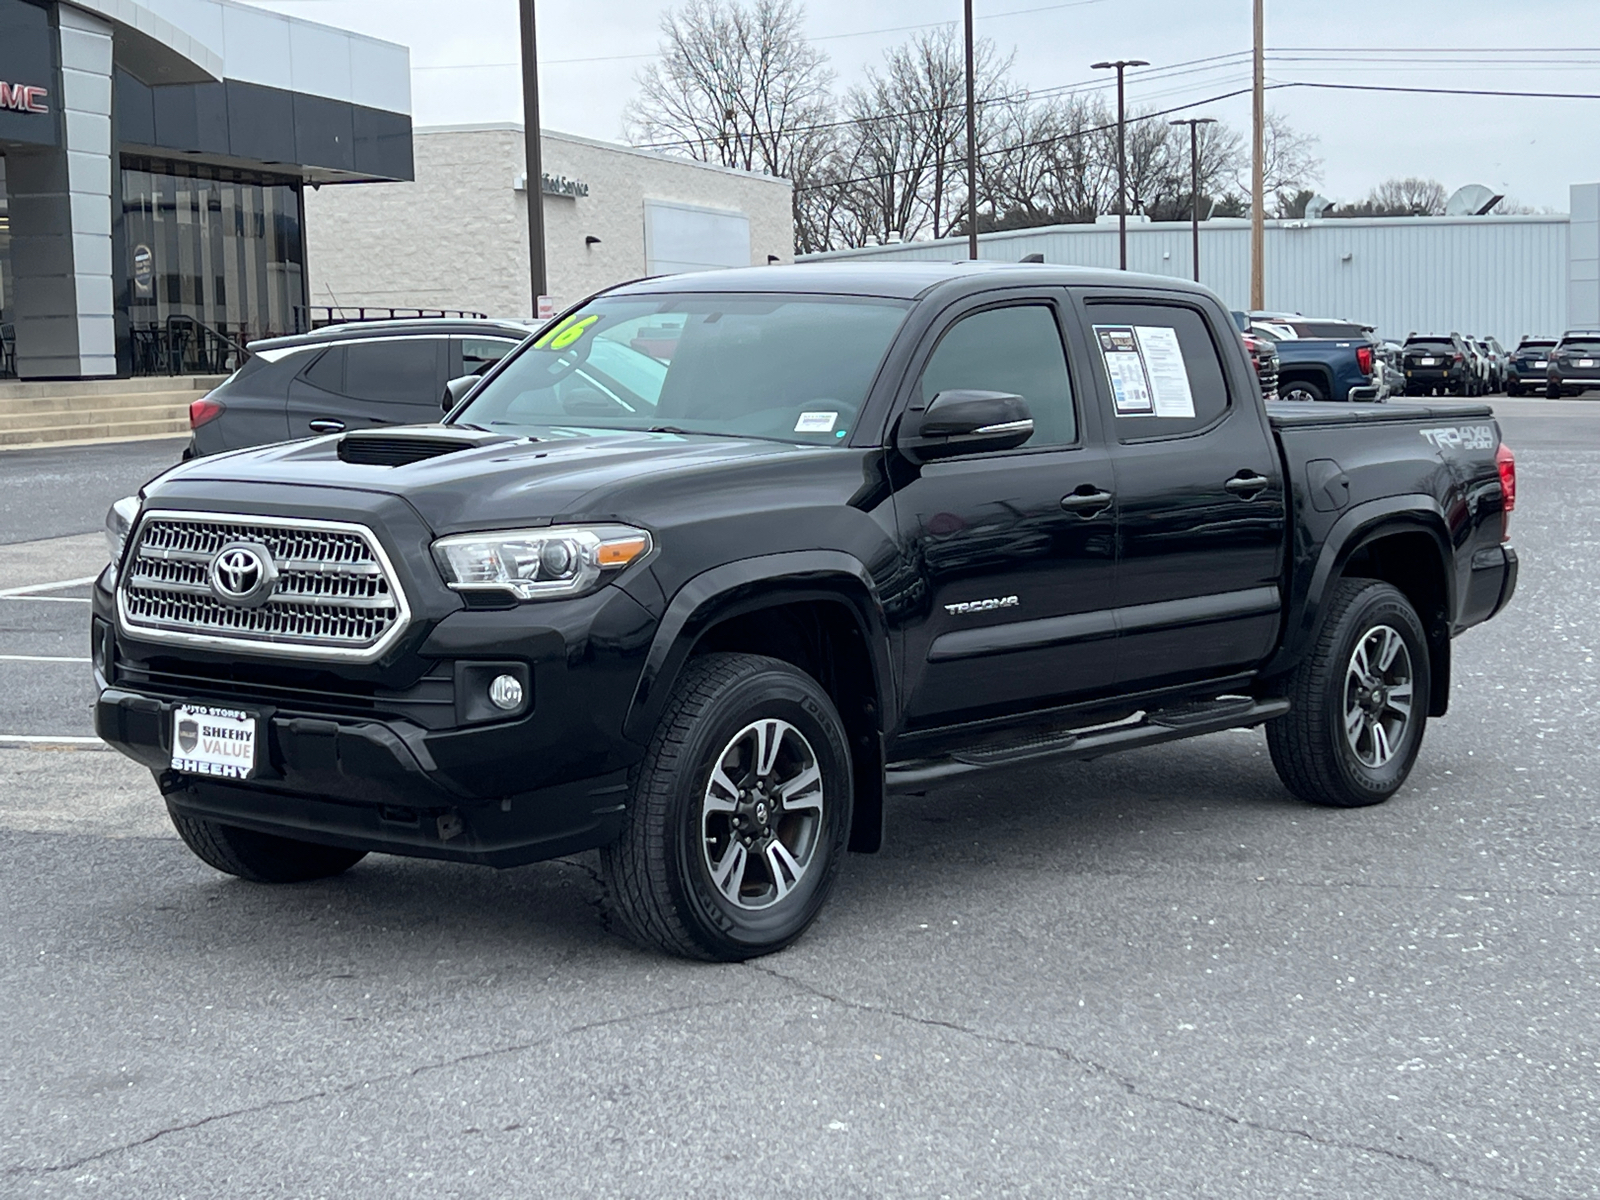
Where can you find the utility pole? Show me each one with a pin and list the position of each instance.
(1194, 124)
(537, 271)
(1122, 64)
(972, 148)
(1258, 166)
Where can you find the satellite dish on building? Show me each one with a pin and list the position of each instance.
(1473, 200)
(1316, 206)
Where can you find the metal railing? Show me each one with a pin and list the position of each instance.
(185, 345)
(319, 315)
(8, 351)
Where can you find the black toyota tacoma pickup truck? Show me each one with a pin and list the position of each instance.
(710, 565)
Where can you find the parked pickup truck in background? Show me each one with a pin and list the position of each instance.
(845, 530)
(1321, 360)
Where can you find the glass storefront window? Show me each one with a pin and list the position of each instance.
(222, 247)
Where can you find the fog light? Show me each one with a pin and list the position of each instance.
(505, 692)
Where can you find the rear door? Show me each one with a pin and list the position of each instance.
(365, 382)
(1016, 586)
(1200, 493)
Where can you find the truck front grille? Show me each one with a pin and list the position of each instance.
(335, 595)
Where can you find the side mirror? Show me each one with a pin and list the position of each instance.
(964, 422)
(456, 390)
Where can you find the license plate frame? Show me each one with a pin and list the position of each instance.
(216, 741)
(1427, 362)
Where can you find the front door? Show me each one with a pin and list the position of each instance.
(1199, 491)
(1017, 585)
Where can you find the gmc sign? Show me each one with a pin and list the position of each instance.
(21, 97)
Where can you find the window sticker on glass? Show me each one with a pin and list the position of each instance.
(1169, 378)
(1145, 366)
(816, 422)
(1130, 386)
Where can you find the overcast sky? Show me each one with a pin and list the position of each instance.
(463, 56)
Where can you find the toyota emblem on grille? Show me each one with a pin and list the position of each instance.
(244, 574)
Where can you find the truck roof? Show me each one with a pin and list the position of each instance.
(893, 280)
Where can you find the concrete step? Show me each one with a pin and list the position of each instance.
(12, 390)
(122, 415)
(23, 406)
(88, 432)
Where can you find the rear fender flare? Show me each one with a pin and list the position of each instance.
(1316, 373)
(746, 586)
(1361, 526)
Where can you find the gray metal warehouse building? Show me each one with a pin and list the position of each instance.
(1500, 276)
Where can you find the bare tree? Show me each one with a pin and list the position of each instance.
(739, 86)
(1290, 163)
(1409, 197)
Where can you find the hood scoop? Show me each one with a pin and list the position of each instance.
(395, 447)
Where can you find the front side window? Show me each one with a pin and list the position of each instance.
(481, 353)
(789, 368)
(1015, 349)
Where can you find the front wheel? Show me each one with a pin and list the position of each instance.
(740, 813)
(1359, 701)
(261, 857)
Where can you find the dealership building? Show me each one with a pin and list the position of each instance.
(457, 237)
(154, 156)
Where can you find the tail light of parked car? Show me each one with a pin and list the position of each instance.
(1364, 359)
(203, 410)
(1507, 462)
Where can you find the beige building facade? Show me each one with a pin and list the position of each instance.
(457, 237)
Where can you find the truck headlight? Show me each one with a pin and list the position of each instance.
(539, 564)
(119, 523)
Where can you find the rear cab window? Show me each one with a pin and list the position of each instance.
(1161, 368)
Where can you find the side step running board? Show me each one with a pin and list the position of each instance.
(1147, 729)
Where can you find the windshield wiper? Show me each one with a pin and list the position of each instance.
(668, 429)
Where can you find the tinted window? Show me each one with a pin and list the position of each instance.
(1017, 350)
(1533, 347)
(1431, 345)
(327, 372)
(394, 370)
(1170, 380)
(1581, 346)
(479, 354)
(1329, 329)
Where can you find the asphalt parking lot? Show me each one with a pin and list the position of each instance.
(1153, 975)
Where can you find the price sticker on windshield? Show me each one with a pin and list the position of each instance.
(816, 422)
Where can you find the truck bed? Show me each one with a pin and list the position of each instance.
(1286, 415)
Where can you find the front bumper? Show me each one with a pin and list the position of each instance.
(401, 757)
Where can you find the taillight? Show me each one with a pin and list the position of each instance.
(1457, 358)
(1364, 359)
(203, 410)
(1507, 462)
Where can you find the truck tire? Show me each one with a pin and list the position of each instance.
(1300, 390)
(740, 813)
(261, 857)
(1360, 701)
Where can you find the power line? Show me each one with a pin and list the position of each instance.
(1428, 91)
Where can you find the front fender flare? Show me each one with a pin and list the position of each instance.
(745, 586)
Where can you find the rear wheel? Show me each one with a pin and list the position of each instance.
(1360, 701)
(740, 813)
(261, 857)
(1301, 390)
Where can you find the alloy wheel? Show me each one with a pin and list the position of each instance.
(1378, 696)
(761, 816)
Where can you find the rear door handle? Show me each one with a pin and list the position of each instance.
(327, 425)
(1247, 485)
(1087, 501)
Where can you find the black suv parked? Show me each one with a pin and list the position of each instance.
(1528, 366)
(345, 377)
(1439, 363)
(1574, 364)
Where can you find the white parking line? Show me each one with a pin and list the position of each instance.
(29, 589)
(45, 739)
(50, 599)
(39, 658)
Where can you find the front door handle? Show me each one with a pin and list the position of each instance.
(327, 425)
(1086, 501)
(1247, 485)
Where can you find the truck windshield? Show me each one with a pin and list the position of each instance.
(789, 368)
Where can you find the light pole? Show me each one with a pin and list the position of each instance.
(537, 271)
(1194, 124)
(972, 148)
(1121, 65)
